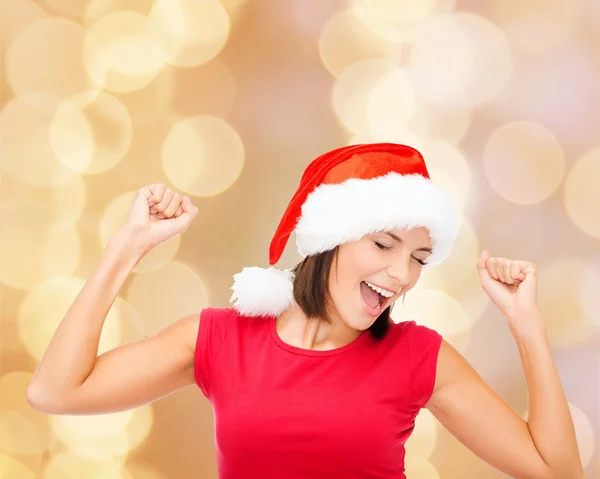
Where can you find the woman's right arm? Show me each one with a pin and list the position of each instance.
(72, 379)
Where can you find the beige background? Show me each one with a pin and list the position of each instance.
(228, 102)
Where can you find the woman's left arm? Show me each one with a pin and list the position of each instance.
(544, 446)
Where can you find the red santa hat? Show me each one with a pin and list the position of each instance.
(343, 195)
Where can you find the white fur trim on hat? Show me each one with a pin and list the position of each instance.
(263, 291)
(334, 214)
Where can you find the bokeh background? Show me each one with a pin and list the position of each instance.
(227, 101)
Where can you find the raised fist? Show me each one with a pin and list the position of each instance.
(157, 214)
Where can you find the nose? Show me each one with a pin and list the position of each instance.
(399, 271)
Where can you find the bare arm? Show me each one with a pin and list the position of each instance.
(71, 378)
(542, 448)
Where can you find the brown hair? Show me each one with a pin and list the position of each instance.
(311, 291)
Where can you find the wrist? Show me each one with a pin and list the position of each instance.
(128, 246)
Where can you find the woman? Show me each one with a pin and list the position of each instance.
(307, 375)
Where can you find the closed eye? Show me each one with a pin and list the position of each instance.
(384, 247)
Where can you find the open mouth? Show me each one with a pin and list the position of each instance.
(374, 300)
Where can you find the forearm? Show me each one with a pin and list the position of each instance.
(549, 419)
(72, 352)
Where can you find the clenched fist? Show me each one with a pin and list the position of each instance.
(157, 214)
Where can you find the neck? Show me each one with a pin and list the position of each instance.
(295, 328)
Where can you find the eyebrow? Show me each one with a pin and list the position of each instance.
(399, 240)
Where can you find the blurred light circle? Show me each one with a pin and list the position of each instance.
(523, 162)
(70, 465)
(402, 137)
(590, 299)
(103, 436)
(143, 471)
(417, 466)
(18, 435)
(207, 89)
(447, 159)
(582, 195)
(560, 285)
(42, 310)
(36, 211)
(203, 155)
(391, 104)
(423, 439)
(351, 92)
(405, 11)
(538, 26)
(94, 10)
(15, 16)
(119, 55)
(188, 32)
(345, 39)
(443, 122)
(91, 132)
(439, 311)
(585, 434)
(459, 59)
(12, 467)
(164, 296)
(46, 57)
(29, 260)
(13, 392)
(115, 215)
(25, 150)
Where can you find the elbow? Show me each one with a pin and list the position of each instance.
(43, 401)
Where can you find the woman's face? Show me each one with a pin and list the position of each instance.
(386, 260)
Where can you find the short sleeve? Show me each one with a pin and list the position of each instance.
(424, 347)
(212, 333)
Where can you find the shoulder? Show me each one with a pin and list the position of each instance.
(416, 333)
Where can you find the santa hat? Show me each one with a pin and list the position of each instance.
(343, 195)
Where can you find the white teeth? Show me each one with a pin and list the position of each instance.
(381, 291)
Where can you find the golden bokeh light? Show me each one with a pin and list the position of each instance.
(588, 292)
(207, 89)
(25, 432)
(559, 296)
(164, 296)
(70, 465)
(42, 53)
(18, 435)
(437, 310)
(94, 10)
(447, 159)
(424, 437)
(391, 104)
(584, 430)
(188, 32)
(15, 15)
(445, 123)
(345, 40)
(34, 259)
(143, 471)
(405, 11)
(43, 309)
(459, 59)
(582, 195)
(203, 155)
(25, 150)
(119, 54)
(114, 216)
(104, 436)
(523, 162)
(36, 211)
(12, 467)
(538, 27)
(91, 132)
(418, 467)
(352, 90)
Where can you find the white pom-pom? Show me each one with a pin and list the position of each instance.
(263, 292)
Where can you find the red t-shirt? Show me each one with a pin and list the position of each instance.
(286, 412)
